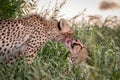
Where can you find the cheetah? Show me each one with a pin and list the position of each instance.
(25, 36)
(79, 52)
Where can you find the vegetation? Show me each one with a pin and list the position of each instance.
(51, 62)
(10, 8)
(16, 8)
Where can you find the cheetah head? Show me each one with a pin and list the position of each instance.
(64, 33)
(79, 52)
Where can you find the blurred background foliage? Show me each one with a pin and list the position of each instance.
(11, 8)
(15, 8)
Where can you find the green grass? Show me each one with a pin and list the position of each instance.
(51, 62)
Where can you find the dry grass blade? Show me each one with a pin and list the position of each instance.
(45, 11)
(57, 8)
(52, 12)
(78, 15)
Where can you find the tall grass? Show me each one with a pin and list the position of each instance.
(51, 62)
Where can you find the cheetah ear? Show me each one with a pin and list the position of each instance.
(62, 23)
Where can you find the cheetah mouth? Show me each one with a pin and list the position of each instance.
(67, 42)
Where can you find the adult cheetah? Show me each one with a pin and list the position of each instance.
(25, 36)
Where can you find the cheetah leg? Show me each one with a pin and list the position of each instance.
(32, 48)
(30, 55)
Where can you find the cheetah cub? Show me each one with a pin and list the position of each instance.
(79, 52)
